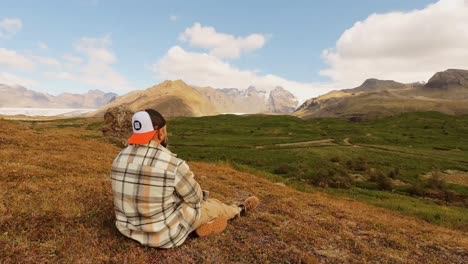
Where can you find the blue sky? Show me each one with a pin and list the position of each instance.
(138, 36)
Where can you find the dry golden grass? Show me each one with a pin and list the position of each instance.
(56, 207)
(457, 178)
(173, 98)
(451, 176)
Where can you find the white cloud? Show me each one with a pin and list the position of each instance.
(219, 44)
(72, 59)
(42, 46)
(15, 60)
(203, 69)
(403, 46)
(97, 50)
(24, 62)
(97, 69)
(11, 79)
(212, 69)
(174, 18)
(9, 27)
(51, 62)
(60, 75)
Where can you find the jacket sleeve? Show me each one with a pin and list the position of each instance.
(186, 186)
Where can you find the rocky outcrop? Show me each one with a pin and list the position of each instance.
(375, 85)
(251, 100)
(248, 101)
(281, 101)
(118, 123)
(451, 78)
(305, 106)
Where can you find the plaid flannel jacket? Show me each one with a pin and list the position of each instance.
(156, 198)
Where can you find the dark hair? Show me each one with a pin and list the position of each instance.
(156, 118)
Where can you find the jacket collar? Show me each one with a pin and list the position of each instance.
(156, 145)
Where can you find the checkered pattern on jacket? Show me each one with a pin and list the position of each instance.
(156, 198)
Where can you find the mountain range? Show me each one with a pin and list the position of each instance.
(176, 98)
(251, 100)
(21, 97)
(445, 92)
(172, 98)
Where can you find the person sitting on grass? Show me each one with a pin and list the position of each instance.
(157, 201)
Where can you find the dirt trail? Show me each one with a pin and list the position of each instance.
(383, 149)
(346, 142)
(302, 144)
(307, 143)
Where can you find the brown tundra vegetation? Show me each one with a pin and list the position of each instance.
(56, 207)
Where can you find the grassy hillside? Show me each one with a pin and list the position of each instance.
(382, 104)
(445, 92)
(56, 206)
(389, 155)
(172, 98)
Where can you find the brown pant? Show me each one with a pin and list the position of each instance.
(213, 208)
